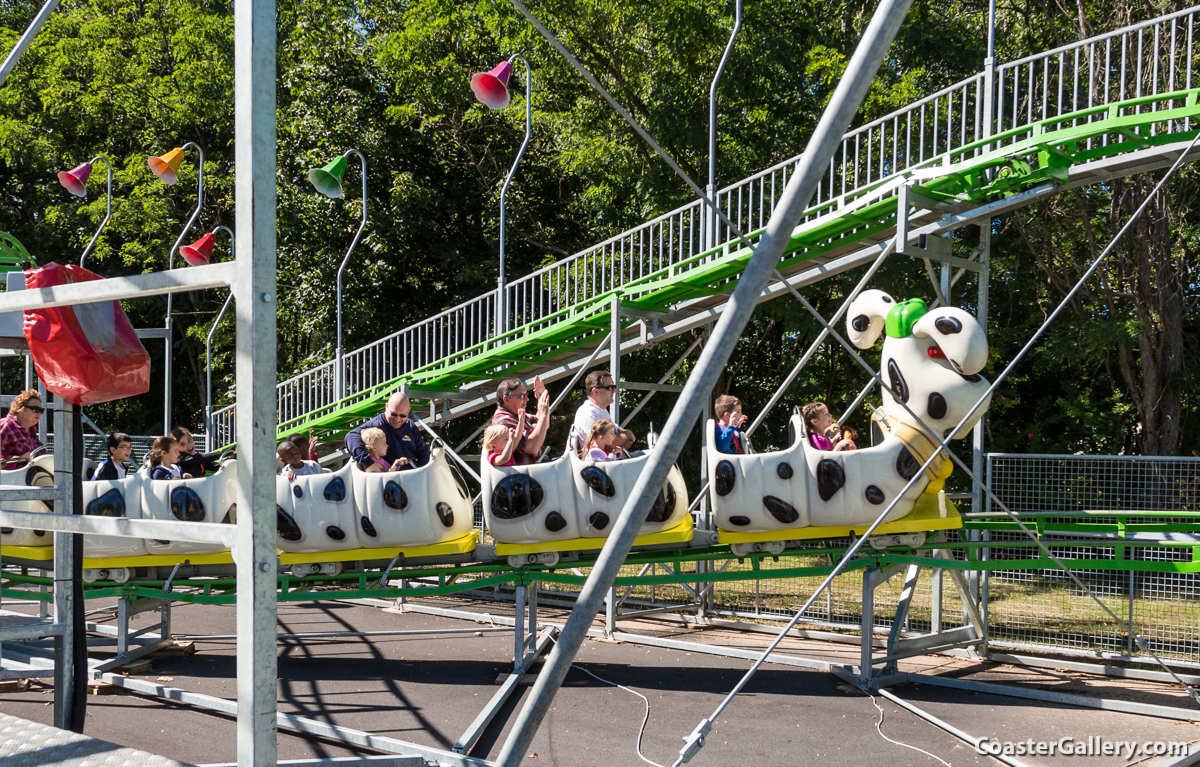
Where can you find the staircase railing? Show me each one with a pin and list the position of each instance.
(1151, 57)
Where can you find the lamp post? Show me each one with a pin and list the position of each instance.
(491, 89)
(710, 231)
(328, 181)
(206, 242)
(75, 182)
(166, 168)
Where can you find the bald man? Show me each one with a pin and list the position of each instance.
(403, 438)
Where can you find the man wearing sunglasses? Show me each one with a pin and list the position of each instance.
(600, 389)
(403, 438)
(511, 399)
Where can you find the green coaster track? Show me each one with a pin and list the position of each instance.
(976, 173)
(1094, 541)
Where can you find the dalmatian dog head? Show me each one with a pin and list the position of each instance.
(931, 358)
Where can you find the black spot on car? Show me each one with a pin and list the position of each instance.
(394, 496)
(896, 379)
(874, 495)
(369, 528)
(296, 491)
(784, 470)
(887, 299)
(516, 496)
(555, 522)
(597, 479)
(937, 405)
(286, 525)
(971, 377)
(861, 323)
(781, 509)
(336, 533)
(906, 465)
(830, 478)
(186, 505)
(739, 521)
(110, 504)
(598, 520)
(445, 513)
(335, 490)
(664, 505)
(948, 325)
(724, 479)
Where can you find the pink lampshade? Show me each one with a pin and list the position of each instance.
(200, 251)
(75, 180)
(491, 88)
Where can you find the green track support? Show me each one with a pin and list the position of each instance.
(1022, 158)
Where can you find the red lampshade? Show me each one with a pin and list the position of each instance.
(200, 251)
(491, 88)
(75, 180)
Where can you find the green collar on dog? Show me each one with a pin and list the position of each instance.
(903, 316)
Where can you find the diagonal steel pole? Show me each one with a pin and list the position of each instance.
(828, 134)
(10, 61)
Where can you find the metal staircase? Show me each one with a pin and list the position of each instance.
(1116, 104)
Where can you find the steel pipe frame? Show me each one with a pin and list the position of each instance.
(708, 316)
(121, 288)
(170, 325)
(292, 722)
(340, 378)
(848, 672)
(208, 410)
(501, 297)
(674, 366)
(108, 210)
(943, 441)
(35, 26)
(255, 34)
(838, 114)
(169, 530)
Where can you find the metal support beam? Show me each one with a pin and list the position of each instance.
(124, 288)
(475, 731)
(901, 617)
(826, 137)
(299, 724)
(70, 647)
(255, 141)
(638, 386)
(10, 62)
(614, 360)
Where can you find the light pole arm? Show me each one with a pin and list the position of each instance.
(712, 99)
(195, 213)
(501, 309)
(108, 210)
(340, 379)
(208, 345)
(170, 296)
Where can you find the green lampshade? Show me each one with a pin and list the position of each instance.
(328, 180)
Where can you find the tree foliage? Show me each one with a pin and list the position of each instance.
(133, 78)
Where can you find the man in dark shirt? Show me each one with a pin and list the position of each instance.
(403, 438)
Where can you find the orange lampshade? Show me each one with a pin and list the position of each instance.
(167, 166)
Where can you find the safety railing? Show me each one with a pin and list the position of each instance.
(1140, 60)
(1145, 59)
